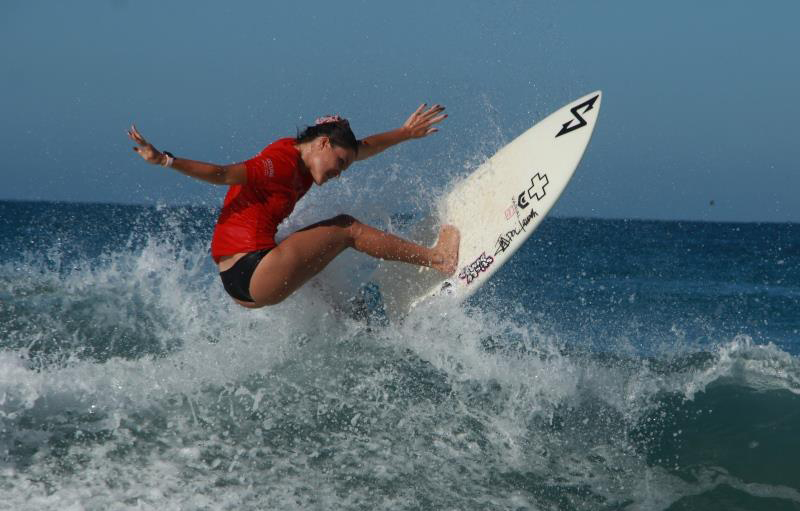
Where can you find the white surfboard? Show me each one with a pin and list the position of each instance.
(496, 208)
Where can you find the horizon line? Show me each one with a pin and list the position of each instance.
(573, 217)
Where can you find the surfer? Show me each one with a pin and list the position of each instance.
(255, 270)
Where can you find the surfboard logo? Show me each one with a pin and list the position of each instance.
(505, 239)
(587, 105)
(538, 182)
(471, 271)
(536, 191)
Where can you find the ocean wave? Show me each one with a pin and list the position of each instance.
(129, 377)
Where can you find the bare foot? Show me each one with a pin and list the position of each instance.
(447, 249)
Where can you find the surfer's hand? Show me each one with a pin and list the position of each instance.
(145, 149)
(421, 122)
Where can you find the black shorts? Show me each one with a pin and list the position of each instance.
(236, 279)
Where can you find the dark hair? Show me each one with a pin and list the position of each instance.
(338, 132)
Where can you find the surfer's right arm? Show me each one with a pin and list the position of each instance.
(235, 174)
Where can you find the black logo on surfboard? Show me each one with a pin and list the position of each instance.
(538, 182)
(471, 271)
(536, 191)
(568, 127)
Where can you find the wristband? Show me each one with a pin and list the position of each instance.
(170, 159)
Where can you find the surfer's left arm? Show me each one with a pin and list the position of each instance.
(420, 124)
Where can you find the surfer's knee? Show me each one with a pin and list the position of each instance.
(351, 226)
(344, 220)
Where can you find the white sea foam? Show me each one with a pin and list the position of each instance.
(299, 407)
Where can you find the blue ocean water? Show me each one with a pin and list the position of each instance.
(614, 364)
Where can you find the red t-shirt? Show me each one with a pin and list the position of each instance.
(251, 212)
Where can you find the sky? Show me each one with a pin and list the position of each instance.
(698, 121)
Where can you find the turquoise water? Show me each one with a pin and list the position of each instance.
(614, 364)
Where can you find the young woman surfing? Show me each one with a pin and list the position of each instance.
(255, 270)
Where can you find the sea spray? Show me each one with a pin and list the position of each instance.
(129, 380)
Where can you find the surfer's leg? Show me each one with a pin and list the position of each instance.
(306, 252)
